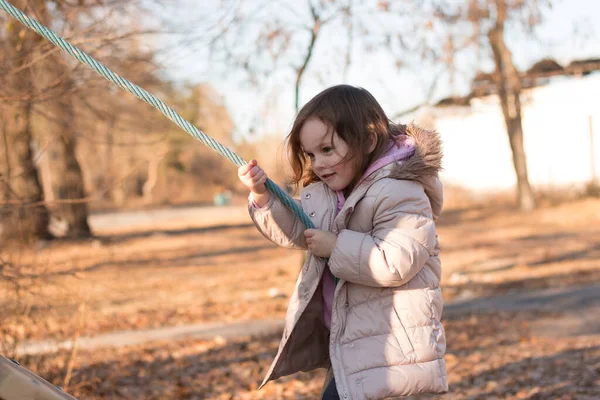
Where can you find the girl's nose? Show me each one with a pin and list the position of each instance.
(317, 163)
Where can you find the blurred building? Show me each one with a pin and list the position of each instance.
(561, 124)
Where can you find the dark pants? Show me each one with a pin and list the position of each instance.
(331, 392)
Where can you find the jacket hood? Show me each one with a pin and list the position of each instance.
(426, 162)
(424, 165)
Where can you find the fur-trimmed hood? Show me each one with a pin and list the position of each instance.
(427, 159)
(424, 165)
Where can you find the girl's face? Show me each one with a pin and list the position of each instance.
(326, 150)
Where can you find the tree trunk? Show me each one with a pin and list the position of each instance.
(508, 85)
(68, 179)
(69, 182)
(109, 177)
(152, 179)
(28, 217)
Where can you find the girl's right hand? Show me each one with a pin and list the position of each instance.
(253, 177)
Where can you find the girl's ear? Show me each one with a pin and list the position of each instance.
(372, 143)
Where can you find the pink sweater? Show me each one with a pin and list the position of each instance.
(402, 149)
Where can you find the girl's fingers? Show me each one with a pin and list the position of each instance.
(252, 175)
(260, 175)
(243, 170)
(255, 171)
(256, 174)
(253, 166)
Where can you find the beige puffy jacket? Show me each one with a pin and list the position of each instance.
(386, 338)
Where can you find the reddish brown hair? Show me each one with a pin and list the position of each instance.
(352, 113)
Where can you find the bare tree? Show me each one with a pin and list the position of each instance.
(263, 38)
(41, 85)
(508, 85)
(481, 24)
(65, 79)
(28, 218)
(53, 72)
(69, 182)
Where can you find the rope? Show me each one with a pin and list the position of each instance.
(150, 99)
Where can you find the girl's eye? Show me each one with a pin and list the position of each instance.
(327, 150)
(309, 155)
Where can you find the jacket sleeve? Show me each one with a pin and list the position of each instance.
(402, 240)
(278, 223)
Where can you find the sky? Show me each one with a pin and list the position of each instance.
(569, 32)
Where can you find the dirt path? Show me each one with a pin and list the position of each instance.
(171, 218)
(206, 331)
(575, 311)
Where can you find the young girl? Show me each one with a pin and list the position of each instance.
(367, 303)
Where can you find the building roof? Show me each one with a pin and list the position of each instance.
(538, 74)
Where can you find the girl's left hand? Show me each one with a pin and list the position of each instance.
(320, 243)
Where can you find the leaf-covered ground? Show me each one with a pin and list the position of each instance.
(490, 356)
(193, 271)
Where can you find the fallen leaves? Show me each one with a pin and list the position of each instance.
(489, 356)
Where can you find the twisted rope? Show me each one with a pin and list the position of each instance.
(150, 99)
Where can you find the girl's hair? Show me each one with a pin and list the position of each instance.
(352, 113)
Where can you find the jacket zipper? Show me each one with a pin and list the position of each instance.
(337, 373)
(334, 209)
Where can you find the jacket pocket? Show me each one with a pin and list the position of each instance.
(400, 333)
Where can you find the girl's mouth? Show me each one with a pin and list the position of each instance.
(327, 176)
